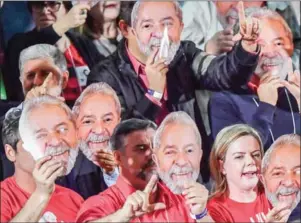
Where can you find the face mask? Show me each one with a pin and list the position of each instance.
(33, 149)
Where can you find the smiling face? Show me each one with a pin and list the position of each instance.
(179, 156)
(96, 122)
(276, 48)
(241, 164)
(282, 176)
(152, 18)
(54, 134)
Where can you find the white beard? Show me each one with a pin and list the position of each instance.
(147, 50)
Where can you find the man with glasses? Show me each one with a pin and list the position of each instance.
(53, 19)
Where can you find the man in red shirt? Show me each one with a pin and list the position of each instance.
(177, 154)
(131, 145)
(31, 194)
(131, 199)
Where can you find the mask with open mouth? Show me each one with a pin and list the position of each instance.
(93, 138)
(177, 186)
(285, 193)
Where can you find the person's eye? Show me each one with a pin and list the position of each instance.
(87, 122)
(106, 120)
(257, 155)
(190, 150)
(276, 174)
(238, 157)
(147, 26)
(279, 43)
(41, 135)
(30, 76)
(62, 130)
(141, 147)
(169, 152)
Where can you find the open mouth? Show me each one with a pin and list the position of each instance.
(181, 176)
(250, 174)
(61, 156)
(111, 5)
(287, 197)
(268, 67)
(98, 144)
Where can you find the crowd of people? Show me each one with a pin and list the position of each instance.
(152, 111)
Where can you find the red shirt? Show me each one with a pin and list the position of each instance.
(139, 69)
(73, 90)
(62, 207)
(113, 199)
(254, 83)
(226, 210)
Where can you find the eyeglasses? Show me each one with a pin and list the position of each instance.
(51, 5)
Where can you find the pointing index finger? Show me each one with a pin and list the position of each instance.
(241, 12)
(151, 184)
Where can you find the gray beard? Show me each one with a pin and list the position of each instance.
(272, 197)
(172, 51)
(175, 187)
(84, 147)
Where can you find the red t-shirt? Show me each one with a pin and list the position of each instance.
(112, 199)
(62, 207)
(223, 209)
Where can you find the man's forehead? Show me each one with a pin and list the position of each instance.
(140, 137)
(153, 10)
(47, 116)
(41, 63)
(285, 157)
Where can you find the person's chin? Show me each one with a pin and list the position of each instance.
(44, 24)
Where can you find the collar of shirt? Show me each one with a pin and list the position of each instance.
(254, 83)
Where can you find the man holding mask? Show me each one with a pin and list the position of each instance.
(31, 194)
(150, 87)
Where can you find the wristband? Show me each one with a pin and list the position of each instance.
(155, 94)
(199, 216)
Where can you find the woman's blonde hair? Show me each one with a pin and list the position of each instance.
(223, 141)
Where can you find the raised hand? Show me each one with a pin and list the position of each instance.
(293, 83)
(196, 196)
(139, 203)
(221, 42)
(46, 171)
(249, 29)
(104, 159)
(40, 90)
(280, 213)
(268, 88)
(156, 72)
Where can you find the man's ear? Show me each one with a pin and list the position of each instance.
(65, 79)
(123, 28)
(117, 157)
(261, 178)
(155, 159)
(10, 153)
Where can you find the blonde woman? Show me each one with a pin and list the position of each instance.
(235, 161)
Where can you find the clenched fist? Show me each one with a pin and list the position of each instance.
(196, 196)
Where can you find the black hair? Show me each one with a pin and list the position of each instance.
(125, 14)
(10, 128)
(125, 128)
(68, 5)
